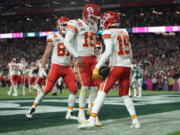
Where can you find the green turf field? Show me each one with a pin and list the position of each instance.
(158, 112)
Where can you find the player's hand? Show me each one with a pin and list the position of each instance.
(96, 74)
(79, 61)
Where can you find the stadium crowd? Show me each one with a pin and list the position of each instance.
(144, 16)
(15, 5)
(158, 54)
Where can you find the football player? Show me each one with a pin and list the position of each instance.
(13, 76)
(139, 73)
(118, 50)
(60, 67)
(32, 76)
(80, 40)
(22, 70)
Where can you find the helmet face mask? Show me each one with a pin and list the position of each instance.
(61, 24)
(110, 19)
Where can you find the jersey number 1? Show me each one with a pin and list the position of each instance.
(89, 40)
(123, 45)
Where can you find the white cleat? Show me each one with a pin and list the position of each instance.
(86, 125)
(15, 95)
(98, 123)
(135, 124)
(9, 93)
(70, 116)
(82, 120)
(28, 115)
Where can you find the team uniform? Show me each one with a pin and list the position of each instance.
(21, 75)
(84, 43)
(60, 66)
(13, 76)
(84, 36)
(120, 61)
(32, 77)
(118, 50)
(139, 77)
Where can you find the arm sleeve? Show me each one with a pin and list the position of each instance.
(107, 53)
(70, 35)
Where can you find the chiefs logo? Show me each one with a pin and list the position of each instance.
(90, 10)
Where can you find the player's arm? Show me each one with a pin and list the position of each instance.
(46, 54)
(108, 51)
(68, 43)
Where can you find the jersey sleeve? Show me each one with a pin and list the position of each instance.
(106, 34)
(72, 26)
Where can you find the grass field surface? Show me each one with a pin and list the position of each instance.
(158, 112)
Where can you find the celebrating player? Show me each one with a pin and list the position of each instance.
(80, 40)
(13, 75)
(118, 48)
(60, 67)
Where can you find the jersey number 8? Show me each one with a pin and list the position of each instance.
(61, 51)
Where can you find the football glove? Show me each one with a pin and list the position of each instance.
(96, 74)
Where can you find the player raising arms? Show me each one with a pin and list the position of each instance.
(60, 67)
(118, 49)
(80, 40)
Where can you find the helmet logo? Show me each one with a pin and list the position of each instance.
(90, 10)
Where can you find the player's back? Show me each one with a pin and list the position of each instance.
(122, 53)
(59, 54)
(85, 38)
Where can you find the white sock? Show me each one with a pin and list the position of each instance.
(10, 89)
(82, 101)
(92, 96)
(129, 105)
(54, 90)
(24, 91)
(99, 101)
(38, 99)
(15, 90)
(134, 91)
(71, 102)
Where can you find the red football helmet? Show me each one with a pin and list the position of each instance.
(13, 60)
(91, 13)
(61, 24)
(110, 19)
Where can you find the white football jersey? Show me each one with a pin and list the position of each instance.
(85, 38)
(59, 54)
(22, 67)
(122, 51)
(13, 68)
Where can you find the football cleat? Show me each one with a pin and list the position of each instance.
(98, 123)
(87, 125)
(135, 124)
(9, 93)
(70, 116)
(82, 120)
(28, 116)
(15, 94)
